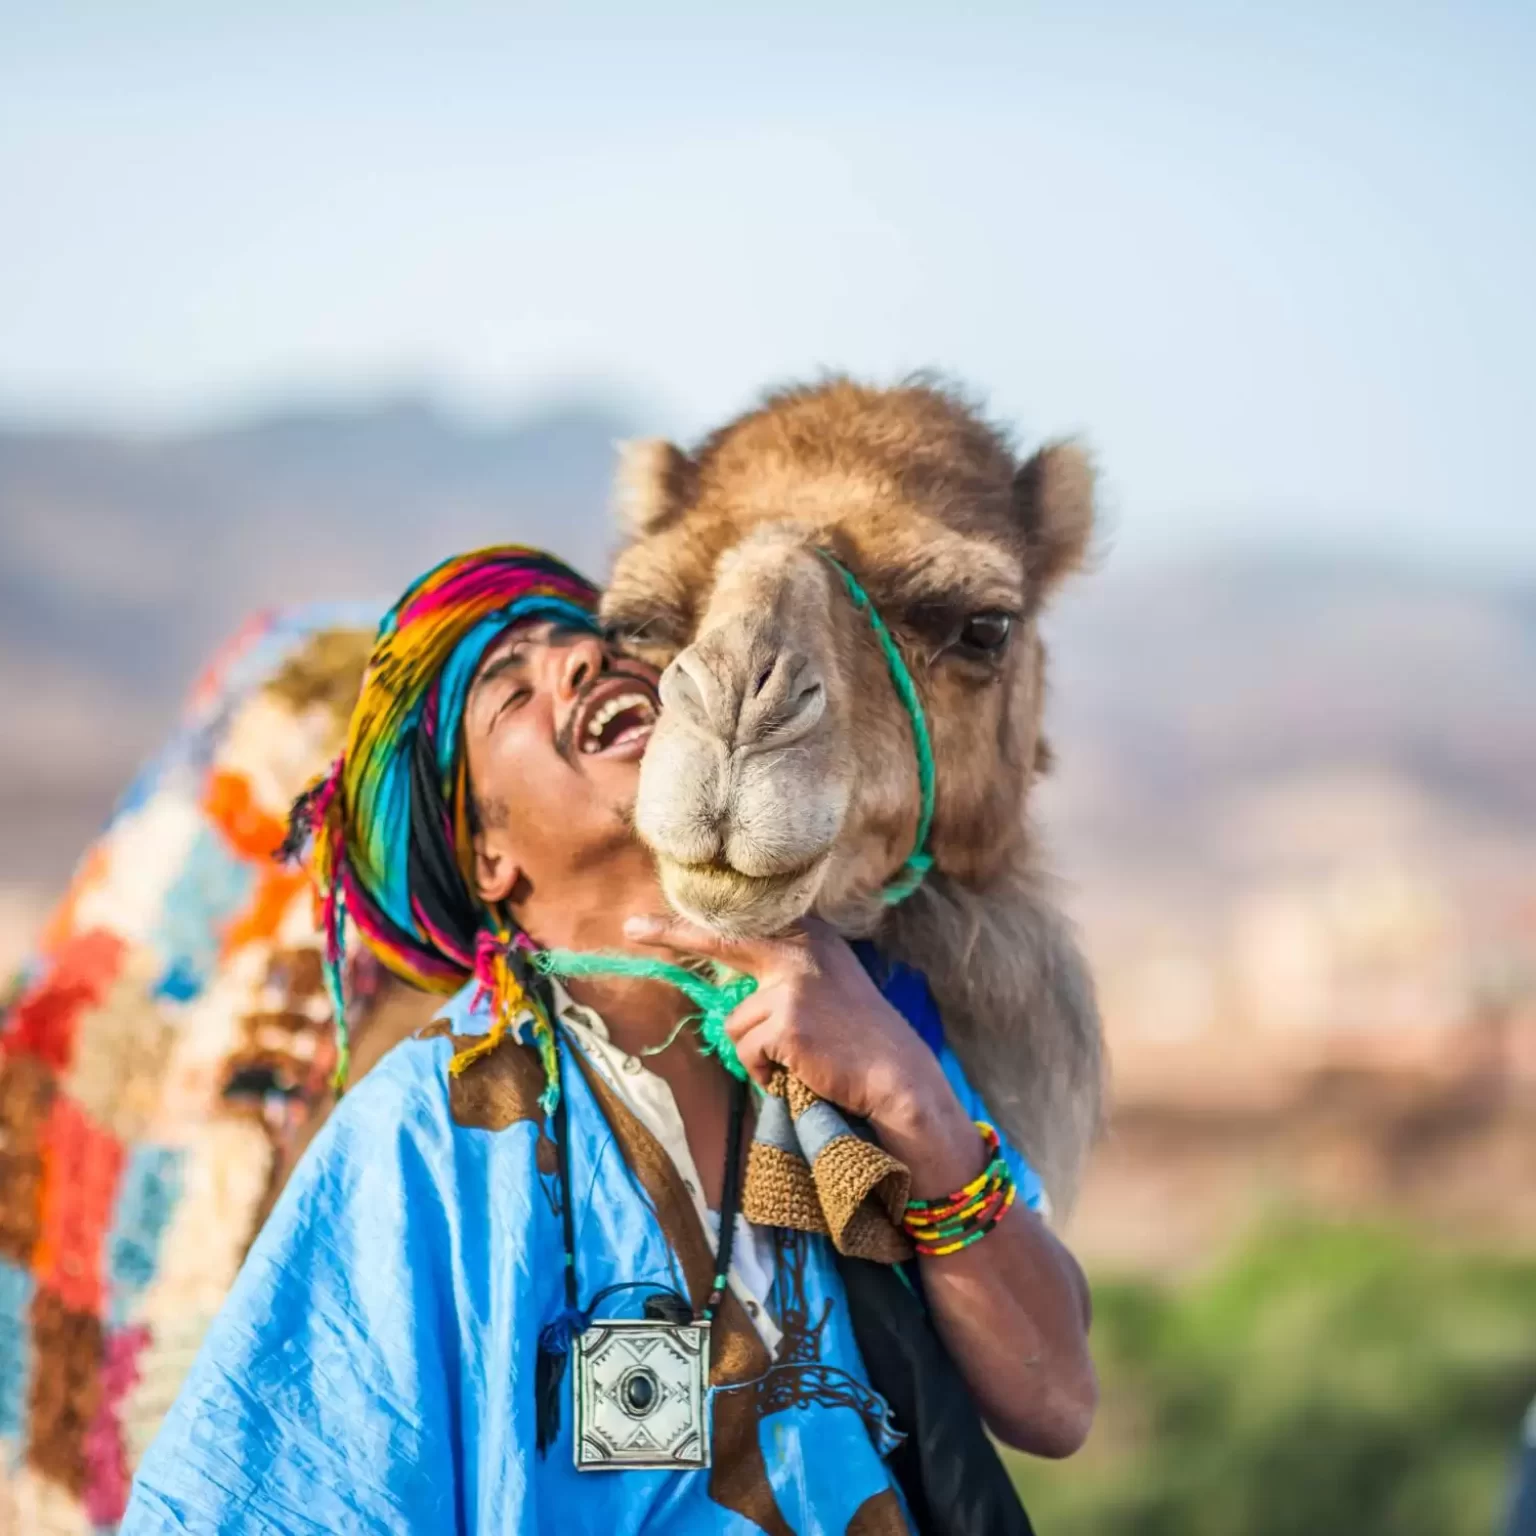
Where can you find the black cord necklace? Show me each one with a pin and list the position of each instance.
(641, 1385)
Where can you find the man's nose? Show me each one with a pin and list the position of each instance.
(578, 663)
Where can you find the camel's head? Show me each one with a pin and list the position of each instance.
(782, 775)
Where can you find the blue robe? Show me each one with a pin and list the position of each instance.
(373, 1367)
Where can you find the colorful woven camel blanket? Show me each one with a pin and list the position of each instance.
(160, 1058)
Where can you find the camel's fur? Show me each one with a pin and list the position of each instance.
(928, 505)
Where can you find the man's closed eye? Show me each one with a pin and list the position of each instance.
(515, 699)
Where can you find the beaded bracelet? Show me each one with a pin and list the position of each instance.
(953, 1222)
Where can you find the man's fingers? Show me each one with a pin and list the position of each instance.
(748, 1015)
(755, 1046)
(757, 1029)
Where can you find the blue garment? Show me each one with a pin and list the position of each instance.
(372, 1370)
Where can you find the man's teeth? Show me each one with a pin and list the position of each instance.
(608, 709)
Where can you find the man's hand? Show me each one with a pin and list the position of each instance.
(817, 1014)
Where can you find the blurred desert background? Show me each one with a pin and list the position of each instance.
(1274, 271)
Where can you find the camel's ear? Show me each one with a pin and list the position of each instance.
(654, 485)
(1053, 496)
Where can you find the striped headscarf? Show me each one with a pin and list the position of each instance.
(388, 831)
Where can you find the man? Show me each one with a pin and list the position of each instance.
(481, 1302)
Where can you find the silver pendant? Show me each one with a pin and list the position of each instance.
(642, 1396)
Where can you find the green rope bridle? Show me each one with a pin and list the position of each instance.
(716, 992)
(919, 861)
(719, 992)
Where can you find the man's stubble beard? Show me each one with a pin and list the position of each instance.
(621, 837)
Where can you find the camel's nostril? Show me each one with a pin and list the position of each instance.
(769, 694)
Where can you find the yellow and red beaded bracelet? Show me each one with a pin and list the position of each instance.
(953, 1222)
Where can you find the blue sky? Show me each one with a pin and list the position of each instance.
(1274, 262)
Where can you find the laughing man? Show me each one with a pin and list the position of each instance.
(423, 1338)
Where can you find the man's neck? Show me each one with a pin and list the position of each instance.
(585, 910)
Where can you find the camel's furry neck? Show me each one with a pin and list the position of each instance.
(1019, 1009)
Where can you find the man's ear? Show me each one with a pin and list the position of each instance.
(1053, 498)
(496, 871)
(654, 486)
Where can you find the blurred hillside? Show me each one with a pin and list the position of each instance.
(1191, 706)
(1296, 816)
(1276, 773)
(1294, 807)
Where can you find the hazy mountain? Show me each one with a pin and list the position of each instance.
(150, 545)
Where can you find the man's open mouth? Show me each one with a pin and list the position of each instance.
(619, 713)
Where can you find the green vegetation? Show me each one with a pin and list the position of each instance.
(1348, 1380)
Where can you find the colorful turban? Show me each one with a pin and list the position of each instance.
(388, 830)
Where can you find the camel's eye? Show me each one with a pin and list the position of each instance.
(646, 635)
(984, 635)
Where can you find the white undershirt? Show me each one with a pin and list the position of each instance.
(649, 1098)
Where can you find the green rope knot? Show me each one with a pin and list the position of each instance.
(716, 994)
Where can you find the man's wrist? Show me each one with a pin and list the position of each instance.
(927, 1128)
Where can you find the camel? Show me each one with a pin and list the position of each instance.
(780, 779)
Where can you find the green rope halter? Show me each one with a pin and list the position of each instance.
(716, 992)
(716, 995)
(919, 861)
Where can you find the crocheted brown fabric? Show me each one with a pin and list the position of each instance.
(810, 1170)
